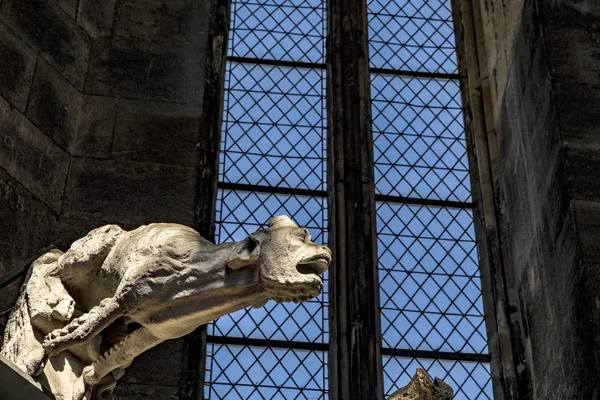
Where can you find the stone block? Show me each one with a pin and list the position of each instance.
(143, 392)
(157, 132)
(181, 23)
(17, 385)
(553, 205)
(516, 20)
(160, 365)
(570, 12)
(150, 73)
(26, 224)
(96, 16)
(17, 63)
(95, 124)
(588, 226)
(47, 28)
(31, 157)
(69, 7)
(130, 192)
(579, 118)
(81, 124)
(540, 135)
(584, 164)
(573, 53)
(54, 105)
(511, 120)
(523, 49)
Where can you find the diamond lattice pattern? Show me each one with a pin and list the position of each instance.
(242, 213)
(266, 373)
(274, 122)
(269, 372)
(289, 30)
(412, 35)
(429, 281)
(470, 380)
(430, 288)
(418, 134)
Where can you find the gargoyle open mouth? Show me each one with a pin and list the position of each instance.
(314, 265)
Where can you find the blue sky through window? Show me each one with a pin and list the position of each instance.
(274, 129)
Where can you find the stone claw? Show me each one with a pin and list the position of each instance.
(50, 347)
(53, 341)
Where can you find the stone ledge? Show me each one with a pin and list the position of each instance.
(17, 385)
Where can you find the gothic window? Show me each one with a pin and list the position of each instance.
(273, 161)
(430, 291)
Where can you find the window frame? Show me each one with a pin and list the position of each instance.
(346, 286)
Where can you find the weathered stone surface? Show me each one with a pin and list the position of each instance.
(168, 23)
(81, 124)
(57, 34)
(573, 50)
(574, 13)
(579, 123)
(583, 164)
(152, 73)
(85, 314)
(54, 105)
(16, 385)
(131, 192)
(157, 132)
(143, 392)
(72, 229)
(588, 225)
(26, 224)
(46, 27)
(421, 387)
(537, 181)
(31, 157)
(573, 53)
(17, 63)
(157, 366)
(69, 7)
(96, 16)
(527, 46)
(95, 124)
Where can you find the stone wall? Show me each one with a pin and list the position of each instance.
(100, 105)
(543, 59)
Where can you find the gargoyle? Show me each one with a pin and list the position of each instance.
(85, 314)
(421, 387)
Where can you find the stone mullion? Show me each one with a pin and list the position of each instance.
(505, 344)
(355, 368)
(191, 386)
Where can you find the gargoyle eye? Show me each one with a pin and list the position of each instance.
(252, 243)
(307, 235)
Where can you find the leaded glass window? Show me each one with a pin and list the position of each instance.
(430, 291)
(272, 162)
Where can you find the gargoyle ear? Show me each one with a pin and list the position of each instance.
(246, 254)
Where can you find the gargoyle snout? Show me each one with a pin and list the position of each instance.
(317, 263)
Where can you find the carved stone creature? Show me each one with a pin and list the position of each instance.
(421, 387)
(84, 315)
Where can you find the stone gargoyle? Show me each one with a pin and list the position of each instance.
(84, 315)
(422, 387)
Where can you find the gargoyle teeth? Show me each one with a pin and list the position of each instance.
(110, 351)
